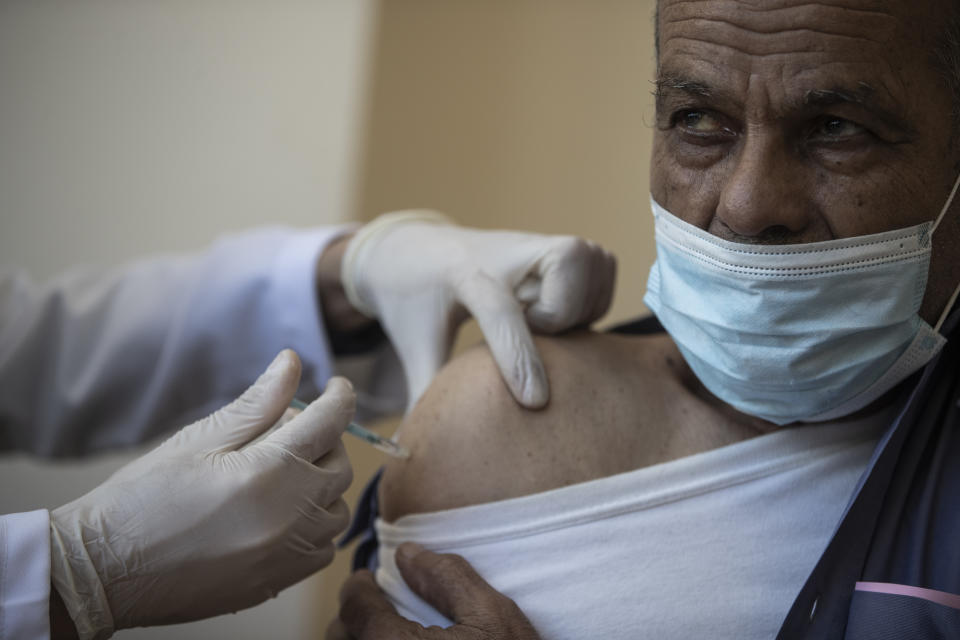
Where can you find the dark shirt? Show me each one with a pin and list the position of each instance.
(901, 527)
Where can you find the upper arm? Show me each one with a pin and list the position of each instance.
(471, 442)
(449, 443)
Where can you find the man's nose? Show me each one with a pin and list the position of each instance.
(762, 198)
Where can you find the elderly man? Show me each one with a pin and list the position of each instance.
(804, 171)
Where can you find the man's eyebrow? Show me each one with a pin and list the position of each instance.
(863, 96)
(676, 83)
(839, 95)
(671, 85)
(668, 85)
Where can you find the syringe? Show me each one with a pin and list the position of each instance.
(379, 442)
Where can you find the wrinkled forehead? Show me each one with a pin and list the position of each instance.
(796, 46)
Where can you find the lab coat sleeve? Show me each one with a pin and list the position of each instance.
(25, 576)
(92, 361)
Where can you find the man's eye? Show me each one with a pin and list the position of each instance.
(837, 128)
(699, 122)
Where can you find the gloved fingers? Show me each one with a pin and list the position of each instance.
(287, 416)
(610, 281)
(331, 475)
(565, 285)
(528, 291)
(314, 485)
(318, 428)
(339, 514)
(604, 277)
(285, 567)
(502, 322)
(316, 530)
(309, 556)
(321, 557)
(260, 406)
(423, 349)
(308, 547)
(336, 518)
(592, 290)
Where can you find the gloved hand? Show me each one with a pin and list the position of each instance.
(449, 584)
(420, 275)
(209, 522)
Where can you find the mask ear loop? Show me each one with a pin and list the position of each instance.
(936, 223)
(946, 310)
(943, 211)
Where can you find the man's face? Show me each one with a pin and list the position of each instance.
(785, 121)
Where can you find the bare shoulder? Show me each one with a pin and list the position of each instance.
(471, 443)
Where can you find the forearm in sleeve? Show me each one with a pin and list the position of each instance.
(92, 361)
(25, 576)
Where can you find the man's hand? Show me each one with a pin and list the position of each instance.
(421, 276)
(445, 581)
(220, 517)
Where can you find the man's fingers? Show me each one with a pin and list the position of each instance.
(366, 614)
(450, 585)
(260, 406)
(422, 350)
(336, 630)
(318, 427)
(565, 285)
(504, 326)
(360, 597)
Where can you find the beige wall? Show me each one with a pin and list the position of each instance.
(531, 114)
(129, 126)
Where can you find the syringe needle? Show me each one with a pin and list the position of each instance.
(379, 442)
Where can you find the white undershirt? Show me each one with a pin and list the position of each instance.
(715, 545)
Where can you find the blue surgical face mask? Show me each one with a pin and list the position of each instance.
(804, 332)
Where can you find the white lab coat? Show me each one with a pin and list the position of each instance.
(92, 361)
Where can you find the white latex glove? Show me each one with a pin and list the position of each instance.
(420, 275)
(210, 522)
